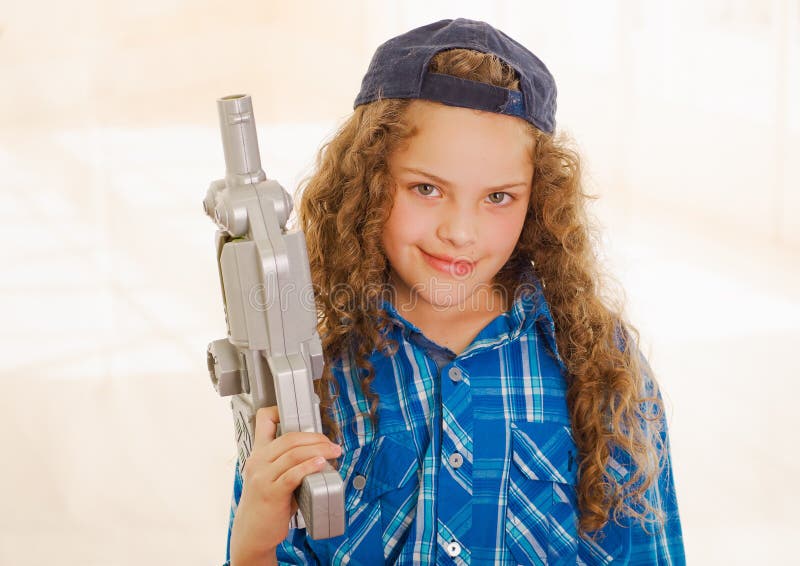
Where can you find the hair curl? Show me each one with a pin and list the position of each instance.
(612, 396)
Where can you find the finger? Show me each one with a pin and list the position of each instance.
(300, 454)
(291, 440)
(267, 420)
(293, 477)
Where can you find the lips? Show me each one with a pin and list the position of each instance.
(449, 265)
(445, 258)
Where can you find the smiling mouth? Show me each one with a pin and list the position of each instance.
(451, 266)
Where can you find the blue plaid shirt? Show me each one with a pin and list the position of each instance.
(473, 460)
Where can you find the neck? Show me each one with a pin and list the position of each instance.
(423, 314)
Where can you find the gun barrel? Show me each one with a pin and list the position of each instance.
(239, 140)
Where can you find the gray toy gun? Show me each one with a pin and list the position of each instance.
(272, 353)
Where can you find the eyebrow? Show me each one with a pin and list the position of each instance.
(447, 184)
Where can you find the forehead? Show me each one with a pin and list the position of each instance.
(464, 143)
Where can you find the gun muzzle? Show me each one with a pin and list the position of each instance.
(239, 140)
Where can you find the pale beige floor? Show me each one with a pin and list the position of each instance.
(117, 452)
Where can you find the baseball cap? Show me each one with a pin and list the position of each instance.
(399, 69)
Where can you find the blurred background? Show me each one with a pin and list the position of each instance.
(117, 450)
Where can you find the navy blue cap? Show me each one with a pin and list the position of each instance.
(399, 69)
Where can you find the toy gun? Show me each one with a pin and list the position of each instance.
(272, 353)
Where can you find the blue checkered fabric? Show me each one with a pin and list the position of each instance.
(473, 460)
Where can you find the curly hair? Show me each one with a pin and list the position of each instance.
(612, 396)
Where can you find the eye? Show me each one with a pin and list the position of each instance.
(425, 189)
(497, 198)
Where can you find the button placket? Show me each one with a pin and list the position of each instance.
(456, 404)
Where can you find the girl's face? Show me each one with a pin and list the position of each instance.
(463, 183)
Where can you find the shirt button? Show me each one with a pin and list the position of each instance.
(453, 549)
(456, 460)
(455, 374)
(359, 482)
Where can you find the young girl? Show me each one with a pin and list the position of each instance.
(484, 402)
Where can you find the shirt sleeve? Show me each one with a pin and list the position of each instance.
(659, 546)
(293, 550)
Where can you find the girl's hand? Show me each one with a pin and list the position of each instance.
(275, 468)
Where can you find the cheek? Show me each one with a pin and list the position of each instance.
(507, 232)
(391, 228)
(406, 223)
(395, 233)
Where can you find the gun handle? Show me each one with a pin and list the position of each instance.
(320, 497)
(244, 425)
(321, 501)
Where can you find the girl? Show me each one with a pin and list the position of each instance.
(484, 402)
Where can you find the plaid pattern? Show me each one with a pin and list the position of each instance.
(471, 467)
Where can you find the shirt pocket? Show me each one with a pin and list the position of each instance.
(381, 488)
(541, 510)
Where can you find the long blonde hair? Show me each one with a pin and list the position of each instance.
(344, 206)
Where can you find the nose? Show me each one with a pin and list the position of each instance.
(458, 227)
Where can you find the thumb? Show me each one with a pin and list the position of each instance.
(267, 420)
